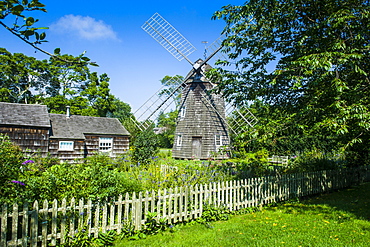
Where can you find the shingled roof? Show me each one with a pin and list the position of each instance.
(24, 115)
(74, 126)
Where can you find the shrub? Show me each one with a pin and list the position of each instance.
(316, 160)
(11, 159)
(145, 147)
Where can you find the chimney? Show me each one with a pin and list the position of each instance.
(68, 113)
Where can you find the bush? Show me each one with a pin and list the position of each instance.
(90, 180)
(145, 147)
(11, 159)
(315, 160)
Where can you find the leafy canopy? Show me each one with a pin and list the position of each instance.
(320, 49)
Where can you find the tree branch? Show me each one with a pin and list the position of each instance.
(41, 50)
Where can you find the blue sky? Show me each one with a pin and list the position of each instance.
(110, 33)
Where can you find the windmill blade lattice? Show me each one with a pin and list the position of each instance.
(148, 113)
(166, 35)
(215, 47)
(238, 118)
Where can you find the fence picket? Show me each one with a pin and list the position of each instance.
(54, 217)
(25, 225)
(89, 216)
(45, 209)
(63, 223)
(72, 217)
(34, 226)
(14, 216)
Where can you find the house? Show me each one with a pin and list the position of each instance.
(74, 136)
(65, 136)
(28, 126)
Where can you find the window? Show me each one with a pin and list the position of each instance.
(218, 140)
(105, 144)
(66, 145)
(182, 112)
(179, 140)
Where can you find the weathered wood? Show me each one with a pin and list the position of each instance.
(54, 217)
(34, 226)
(25, 225)
(63, 221)
(4, 224)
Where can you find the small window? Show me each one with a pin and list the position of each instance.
(218, 140)
(105, 144)
(66, 145)
(179, 140)
(182, 112)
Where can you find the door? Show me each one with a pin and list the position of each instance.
(197, 147)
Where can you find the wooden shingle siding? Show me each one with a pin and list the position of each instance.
(29, 139)
(200, 123)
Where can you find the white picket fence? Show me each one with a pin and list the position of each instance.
(48, 224)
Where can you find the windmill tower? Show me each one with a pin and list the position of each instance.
(203, 126)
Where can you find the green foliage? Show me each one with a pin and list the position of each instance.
(82, 239)
(248, 165)
(316, 161)
(56, 84)
(213, 213)
(153, 225)
(308, 60)
(11, 159)
(24, 27)
(145, 147)
(171, 83)
(167, 126)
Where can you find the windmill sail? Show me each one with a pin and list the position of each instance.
(148, 113)
(168, 37)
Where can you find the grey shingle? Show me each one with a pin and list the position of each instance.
(24, 115)
(76, 126)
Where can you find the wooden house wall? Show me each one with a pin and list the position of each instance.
(69, 156)
(88, 147)
(30, 139)
(200, 121)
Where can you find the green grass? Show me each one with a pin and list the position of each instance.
(337, 219)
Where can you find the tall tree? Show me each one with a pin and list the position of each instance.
(54, 83)
(19, 74)
(321, 51)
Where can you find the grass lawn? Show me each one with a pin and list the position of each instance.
(337, 219)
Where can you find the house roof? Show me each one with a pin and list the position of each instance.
(24, 115)
(74, 127)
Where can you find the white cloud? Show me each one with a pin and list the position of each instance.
(85, 27)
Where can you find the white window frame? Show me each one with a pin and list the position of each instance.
(66, 145)
(179, 140)
(182, 112)
(218, 141)
(105, 144)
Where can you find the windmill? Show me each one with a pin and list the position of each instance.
(205, 120)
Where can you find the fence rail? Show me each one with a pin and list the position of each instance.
(48, 224)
